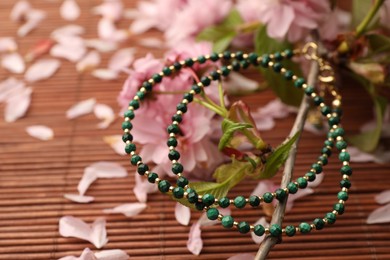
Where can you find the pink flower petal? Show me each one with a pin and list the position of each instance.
(98, 236)
(116, 143)
(40, 132)
(237, 82)
(105, 74)
(359, 156)
(263, 187)
(293, 197)
(81, 108)
(113, 254)
(87, 254)
(88, 178)
(10, 87)
(13, 62)
(143, 188)
(42, 69)
(182, 214)
(90, 61)
(7, 44)
(380, 215)
(104, 113)
(72, 53)
(154, 43)
(194, 242)
(121, 59)
(108, 170)
(33, 17)
(17, 105)
(101, 45)
(317, 181)
(70, 10)
(128, 209)
(111, 10)
(106, 28)
(19, 10)
(79, 198)
(383, 197)
(262, 221)
(242, 257)
(68, 30)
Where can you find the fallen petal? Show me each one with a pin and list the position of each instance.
(143, 188)
(40, 132)
(263, 187)
(68, 30)
(182, 214)
(33, 17)
(154, 43)
(242, 257)
(194, 242)
(41, 48)
(81, 108)
(7, 44)
(13, 62)
(72, 53)
(11, 87)
(293, 197)
(19, 10)
(238, 83)
(108, 170)
(70, 10)
(105, 113)
(262, 221)
(128, 209)
(380, 215)
(105, 74)
(74, 227)
(90, 61)
(109, 9)
(79, 198)
(116, 143)
(383, 197)
(87, 254)
(101, 45)
(98, 235)
(17, 105)
(359, 156)
(106, 28)
(317, 181)
(121, 59)
(88, 178)
(42, 69)
(113, 254)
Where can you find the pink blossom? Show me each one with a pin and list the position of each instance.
(337, 22)
(194, 17)
(385, 14)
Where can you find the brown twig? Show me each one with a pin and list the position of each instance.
(278, 215)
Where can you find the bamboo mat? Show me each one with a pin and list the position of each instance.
(34, 175)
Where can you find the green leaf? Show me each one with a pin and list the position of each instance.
(359, 11)
(229, 128)
(277, 158)
(283, 89)
(378, 43)
(222, 34)
(368, 141)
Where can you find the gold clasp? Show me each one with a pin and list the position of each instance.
(310, 51)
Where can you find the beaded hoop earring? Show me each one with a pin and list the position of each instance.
(208, 202)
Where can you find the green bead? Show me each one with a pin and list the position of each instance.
(177, 168)
(239, 55)
(331, 218)
(253, 57)
(259, 230)
(254, 201)
(127, 125)
(130, 148)
(317, 167)
(208, 199)
(345, 184)
(189, 97)
(167, 71)
(328, 143)
(214, 56)
(177, 118)
(280, 194)
(236, 65)
(339, 131)
(163, 186)
(340, 145)
(227, 55)
(225, 71)
(173, 155)
(278, 56)
(302, 182)
(326, 150)
(173, 129)
(290, 231)
(334, 120)
(244, 64)
(339, 208)
(147, 85)
(177, 65)
(325, 110)
(342, 195)
(172, 142)
(224, 202)
(199, 205)
(299, 82)
(201, 59)
(178, 192)
(304, 228)
(182, 181)
(344, 157)
(265, 59)
(239, 202)
(215, 75)
(196, 88)
(189, 62)
(288, 53)
(346, 169)
(318, 100)
(152, 177)
(157, 78)
(129, 114)
(135, 159)
(288, 75)
(309, 90)
(275, 230)
(323, 159)
(243, 227)
(140, 95)
(268, 197)
(227, 221)
(134, 104)
(338, 111)
(205, 81)
(142, 168)
(311, 176)
(292, 188)
(192, 197)
(277, 67)
(212, 214)
(181, 107)
(319, 223)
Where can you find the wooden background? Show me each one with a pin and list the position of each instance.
(34, 175)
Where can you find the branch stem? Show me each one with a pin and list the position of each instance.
(361, 28)
(278, 215)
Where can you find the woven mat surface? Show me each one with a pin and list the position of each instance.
(34, 176)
